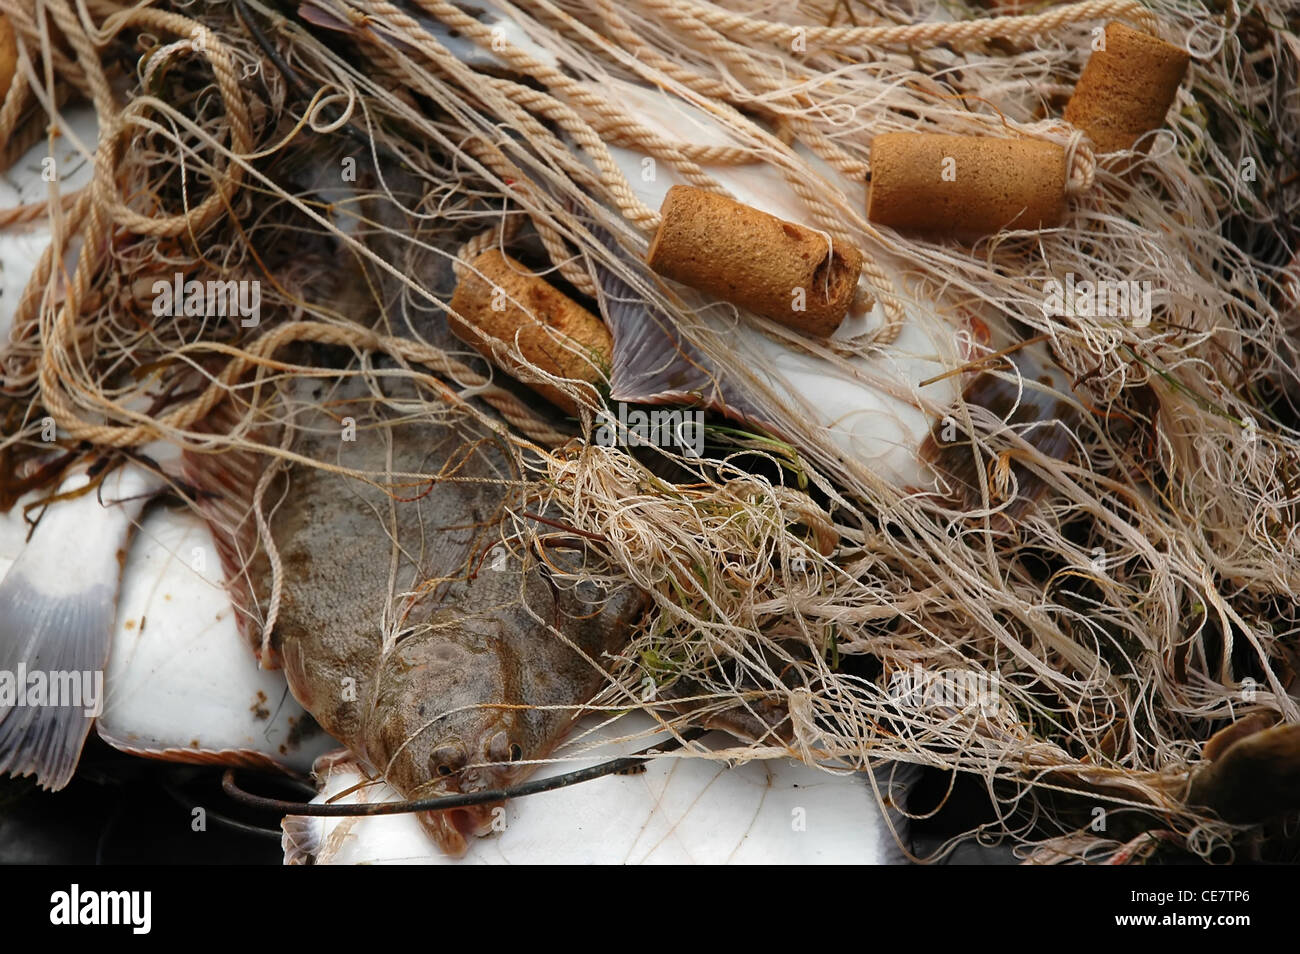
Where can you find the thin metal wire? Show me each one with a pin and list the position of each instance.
(436, 803)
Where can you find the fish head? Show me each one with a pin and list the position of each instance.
(457, 771)
(446, 731)
(473, 754)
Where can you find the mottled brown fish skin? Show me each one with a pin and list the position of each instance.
(431, 681)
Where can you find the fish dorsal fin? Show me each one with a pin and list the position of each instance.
(226, 482)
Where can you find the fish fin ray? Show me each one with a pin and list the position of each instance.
(227, 483)
(653, 363)
(57, 607)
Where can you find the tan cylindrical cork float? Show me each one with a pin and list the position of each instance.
(489, 297)
(8, 55)
(1127, 88)
(965, 186)
(794, 275)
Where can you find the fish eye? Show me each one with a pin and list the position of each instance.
(516, 752)
(447, 759)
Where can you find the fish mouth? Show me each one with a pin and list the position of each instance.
(452, 828)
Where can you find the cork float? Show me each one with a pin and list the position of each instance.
(1127, 88)
(794, 275)
(8, 56)
(499, 300)
(965, 186)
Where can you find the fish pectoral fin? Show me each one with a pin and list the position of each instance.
(651, 362)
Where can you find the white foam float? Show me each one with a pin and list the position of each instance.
(181, 683)
(22, 246)
(678, 811)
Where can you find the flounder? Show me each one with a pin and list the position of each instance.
(415, 625)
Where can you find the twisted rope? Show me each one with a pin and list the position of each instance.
(1012, 28)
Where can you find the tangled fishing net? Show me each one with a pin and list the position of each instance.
(353, 155)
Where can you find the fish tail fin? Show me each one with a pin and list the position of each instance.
(57, 604)
(43, 634)
(653, 362)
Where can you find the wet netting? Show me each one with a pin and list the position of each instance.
(1061, 558)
